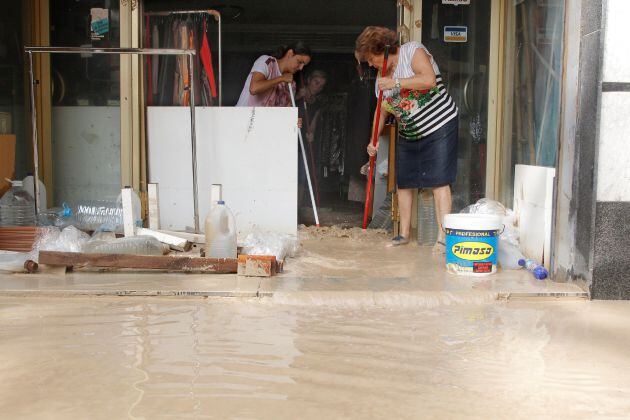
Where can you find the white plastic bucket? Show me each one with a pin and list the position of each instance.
(472, 243)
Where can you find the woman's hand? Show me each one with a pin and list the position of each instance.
(371, 149)
(385, 83)
(286, 77)
(300, 123)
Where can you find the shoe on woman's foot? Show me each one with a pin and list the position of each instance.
(439, 248)
(399, 240)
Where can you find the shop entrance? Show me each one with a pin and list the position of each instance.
(458, 37)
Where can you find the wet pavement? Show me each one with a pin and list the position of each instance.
(346, 263)
(266, 358)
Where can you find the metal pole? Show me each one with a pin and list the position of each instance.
(90, 50)
(193, 139)
(34, 134)
(308, 176)
(218, 15)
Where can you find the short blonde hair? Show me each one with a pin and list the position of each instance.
(373, 40)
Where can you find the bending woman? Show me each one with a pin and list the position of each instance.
(426, 150)
(266, 83)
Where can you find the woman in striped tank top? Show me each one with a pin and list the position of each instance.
(426, 150)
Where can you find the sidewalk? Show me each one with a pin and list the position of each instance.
(350, 263)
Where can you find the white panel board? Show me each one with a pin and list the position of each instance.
(533, 204)
(251, 152)
(86, 153)
(170, 164)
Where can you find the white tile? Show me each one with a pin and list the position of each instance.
(613, 167)
(616, 57)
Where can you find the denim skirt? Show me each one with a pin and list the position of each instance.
(430, 161)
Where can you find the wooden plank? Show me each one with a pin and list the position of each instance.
(154, 206)
(128, 211)
(17, 238)
(146, 262)
(190, 237)
(175, 242)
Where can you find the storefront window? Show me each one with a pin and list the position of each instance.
(85, 80)
(85, 113)
(533, 78)
(12, 123)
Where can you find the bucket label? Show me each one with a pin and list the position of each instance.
(471, 251)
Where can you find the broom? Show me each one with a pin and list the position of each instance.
(368, 190)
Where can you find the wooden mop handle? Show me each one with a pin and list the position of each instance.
(368, 190)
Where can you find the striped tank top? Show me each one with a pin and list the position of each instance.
(419, 113)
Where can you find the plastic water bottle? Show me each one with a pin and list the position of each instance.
(28, 184)
(137, 206)
(17, 207)
(92, 214)
(509, 255)
(60, 217)
(533, 267)
(427, 223)
(132, 245)
(220, 232)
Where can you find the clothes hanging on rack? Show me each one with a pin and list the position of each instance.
(168, 77)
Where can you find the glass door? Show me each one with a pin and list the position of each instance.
(458, 37)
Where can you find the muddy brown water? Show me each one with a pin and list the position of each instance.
(268, 359)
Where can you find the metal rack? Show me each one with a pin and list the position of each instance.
(140, 51)
(217, 16)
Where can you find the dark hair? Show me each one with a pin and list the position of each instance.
(373, 40)
(298, 48)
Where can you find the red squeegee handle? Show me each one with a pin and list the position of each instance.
(377, 119)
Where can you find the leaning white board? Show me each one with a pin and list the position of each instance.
(533, 203)
(251, 152)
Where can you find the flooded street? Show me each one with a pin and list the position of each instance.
(259, 358)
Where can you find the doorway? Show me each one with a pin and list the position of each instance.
(458, 37)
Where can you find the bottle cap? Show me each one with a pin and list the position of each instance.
(221, 202)
(522, 262)
(67, 211)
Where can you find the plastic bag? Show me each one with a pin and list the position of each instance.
(486, 206)
(50, 238)
(509, 219)
(280, 245)
(13, 262)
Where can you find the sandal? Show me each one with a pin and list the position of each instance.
(399, 240)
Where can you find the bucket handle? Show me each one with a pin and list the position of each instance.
(500, 233)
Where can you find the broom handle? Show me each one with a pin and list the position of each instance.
(310, 146)
(377, 119)
(308, 178)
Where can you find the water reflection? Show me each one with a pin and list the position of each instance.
(144, 358)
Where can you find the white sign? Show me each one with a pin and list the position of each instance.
(456, 2)
(455, 34)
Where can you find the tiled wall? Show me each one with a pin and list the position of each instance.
(611, 228)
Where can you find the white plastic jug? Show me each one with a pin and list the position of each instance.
(28, 184)
(220, 232)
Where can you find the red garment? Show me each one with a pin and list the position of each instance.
(206, 59)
